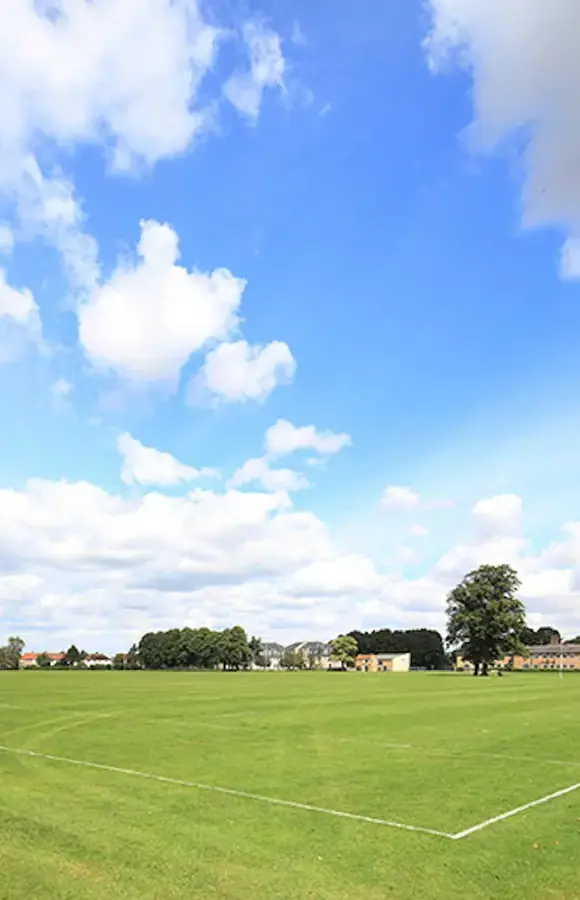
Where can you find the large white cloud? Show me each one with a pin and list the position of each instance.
(526, 76)
(148, 319)
(236, 372)
(80, 563)
(147, 465)
(126, 74)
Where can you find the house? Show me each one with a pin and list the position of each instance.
(273, 653)
(30, 660)
(383, 662)
(97, 661)
(316, 654)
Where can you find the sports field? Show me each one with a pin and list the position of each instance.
(442, 753)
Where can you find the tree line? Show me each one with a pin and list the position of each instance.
(199, 648)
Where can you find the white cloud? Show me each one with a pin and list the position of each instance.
(218, 558)
(419, 530)
(346, 575)
(237, 372)
(146, 465)
(200, 558)
(400, 498)
(17, 305)
(284, 438)
(570, 259)
(48, 207)
(406, 555)
(20, 325)
(126, 75)
(525, 66)
(150, 317)
(6, 239)
(498, 516)
(267, 66)
(61, 389)
(258, 471)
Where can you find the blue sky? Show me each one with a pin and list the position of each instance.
(358, 221)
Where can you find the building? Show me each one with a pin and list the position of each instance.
(547, 656)
(540, 657)
(97, 661)
(30, 660)
(383, 662)
(316, 654)
(273, 654)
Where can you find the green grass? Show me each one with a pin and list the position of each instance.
(473, 748)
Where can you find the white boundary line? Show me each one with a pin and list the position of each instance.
(450, 754)
(514, 812)
(457, 836)
(230, 791)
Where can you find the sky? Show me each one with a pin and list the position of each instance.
(289, 313)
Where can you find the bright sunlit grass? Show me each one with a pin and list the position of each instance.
(440, 752)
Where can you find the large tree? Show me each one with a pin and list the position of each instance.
(10, 654)
(485, 618)
(257, 649)
(234, 649)
(73, 656)
(344, 649)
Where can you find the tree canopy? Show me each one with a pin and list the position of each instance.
(192, 648)
(485, 618)
(344, 650)
(544, 635)
(11, 652)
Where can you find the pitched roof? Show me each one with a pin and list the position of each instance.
(272, 647)
(554, 649)
(32, 657)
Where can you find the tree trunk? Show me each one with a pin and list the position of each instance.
(476, 669)
(485, 669)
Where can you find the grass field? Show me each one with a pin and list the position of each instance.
(439, 752)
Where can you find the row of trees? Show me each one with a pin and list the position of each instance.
(199, 648)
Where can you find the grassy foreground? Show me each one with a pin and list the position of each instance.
(439, 751)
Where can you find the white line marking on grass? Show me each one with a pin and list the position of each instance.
(230, 791)
(462, 754)
(514, 812)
